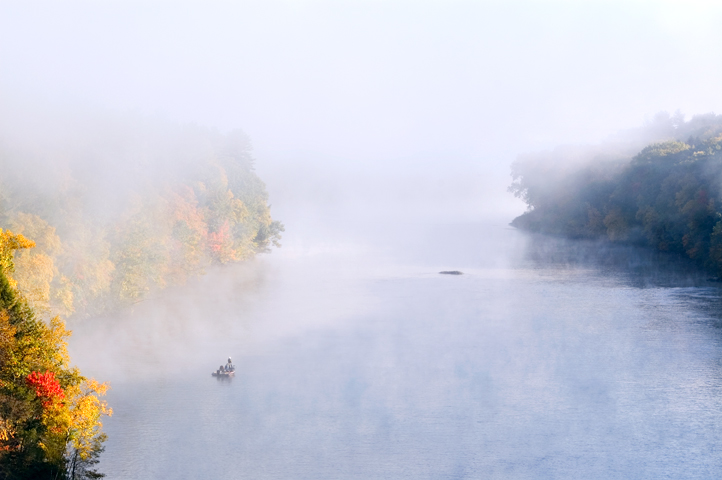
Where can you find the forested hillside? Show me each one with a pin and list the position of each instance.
(119, 207)
(667, 195)
(50, 415)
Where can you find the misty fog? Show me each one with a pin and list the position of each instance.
(157, 151)
(439, 88)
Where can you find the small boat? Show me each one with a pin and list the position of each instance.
(225, 371)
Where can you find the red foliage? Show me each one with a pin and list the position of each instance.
(216, 240)
(46, 387)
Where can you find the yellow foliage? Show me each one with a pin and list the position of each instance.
(74, 420)
(63, 296)
(43, 235)
(85, 411)
(34, 272)
(9, 242)
(55, 335)
(6, 433)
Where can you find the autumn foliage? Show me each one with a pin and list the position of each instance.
(100, 246)
(168, 203)
(50, 415)
(46, 388)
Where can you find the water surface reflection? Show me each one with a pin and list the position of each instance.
(546, 359)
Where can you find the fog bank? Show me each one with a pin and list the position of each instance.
(436, 97)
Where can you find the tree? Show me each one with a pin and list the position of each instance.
(49, 413)
(667, 196)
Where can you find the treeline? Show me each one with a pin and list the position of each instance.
(667, 195)
(50, 415)
(119, 207)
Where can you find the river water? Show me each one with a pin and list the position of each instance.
(356, 359)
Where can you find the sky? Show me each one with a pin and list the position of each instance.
(414, 90)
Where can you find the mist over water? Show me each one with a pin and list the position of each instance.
(384, 132)
(356, 359)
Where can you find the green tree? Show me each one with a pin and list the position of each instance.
(666, 196)
(49, 413)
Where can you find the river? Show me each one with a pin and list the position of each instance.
(357, 360)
